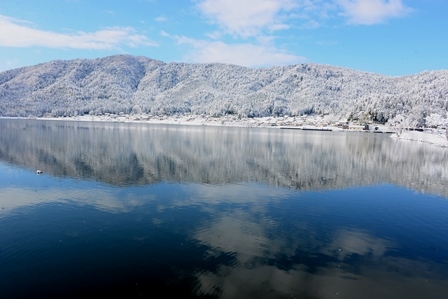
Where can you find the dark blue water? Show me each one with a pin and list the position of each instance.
(146, 211)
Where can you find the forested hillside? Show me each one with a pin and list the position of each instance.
(131, 84)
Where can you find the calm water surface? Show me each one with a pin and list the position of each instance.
(138, 210)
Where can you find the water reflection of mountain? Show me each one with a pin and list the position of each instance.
(127, 154)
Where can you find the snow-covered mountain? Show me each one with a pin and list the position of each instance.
(131, 84)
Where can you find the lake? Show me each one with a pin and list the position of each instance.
(138, 210)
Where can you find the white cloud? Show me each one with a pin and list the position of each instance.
(247, 18)
(256, 20)
(15, 34)
(214, 35)
(249, 55)
(164, 33)
(368, 12)
(161, 19)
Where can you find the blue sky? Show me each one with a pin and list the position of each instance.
(391, 37)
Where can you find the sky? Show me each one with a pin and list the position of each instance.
(390, 37)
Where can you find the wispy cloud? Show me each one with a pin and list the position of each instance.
(246, 54)
(368, 12)
(17, 33)
(164, 33)
(161, 19)
(246, 18)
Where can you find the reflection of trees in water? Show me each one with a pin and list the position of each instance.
(144, 154)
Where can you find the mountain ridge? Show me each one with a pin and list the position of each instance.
(137, 84)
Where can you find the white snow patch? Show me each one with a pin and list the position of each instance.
(436, 137)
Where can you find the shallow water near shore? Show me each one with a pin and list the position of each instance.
(138, 210)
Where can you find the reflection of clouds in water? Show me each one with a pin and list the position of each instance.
(233, 234)
(260, 282)
(235, 194)
(254, 273)
(15, 198)
(238, 234)
(237, 231)
(271, 282)
(347, 242)
(108, 199)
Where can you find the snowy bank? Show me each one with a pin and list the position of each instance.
(305, 122)
(436, 137)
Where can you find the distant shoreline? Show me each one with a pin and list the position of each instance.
(316, 123)
(308, 123)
